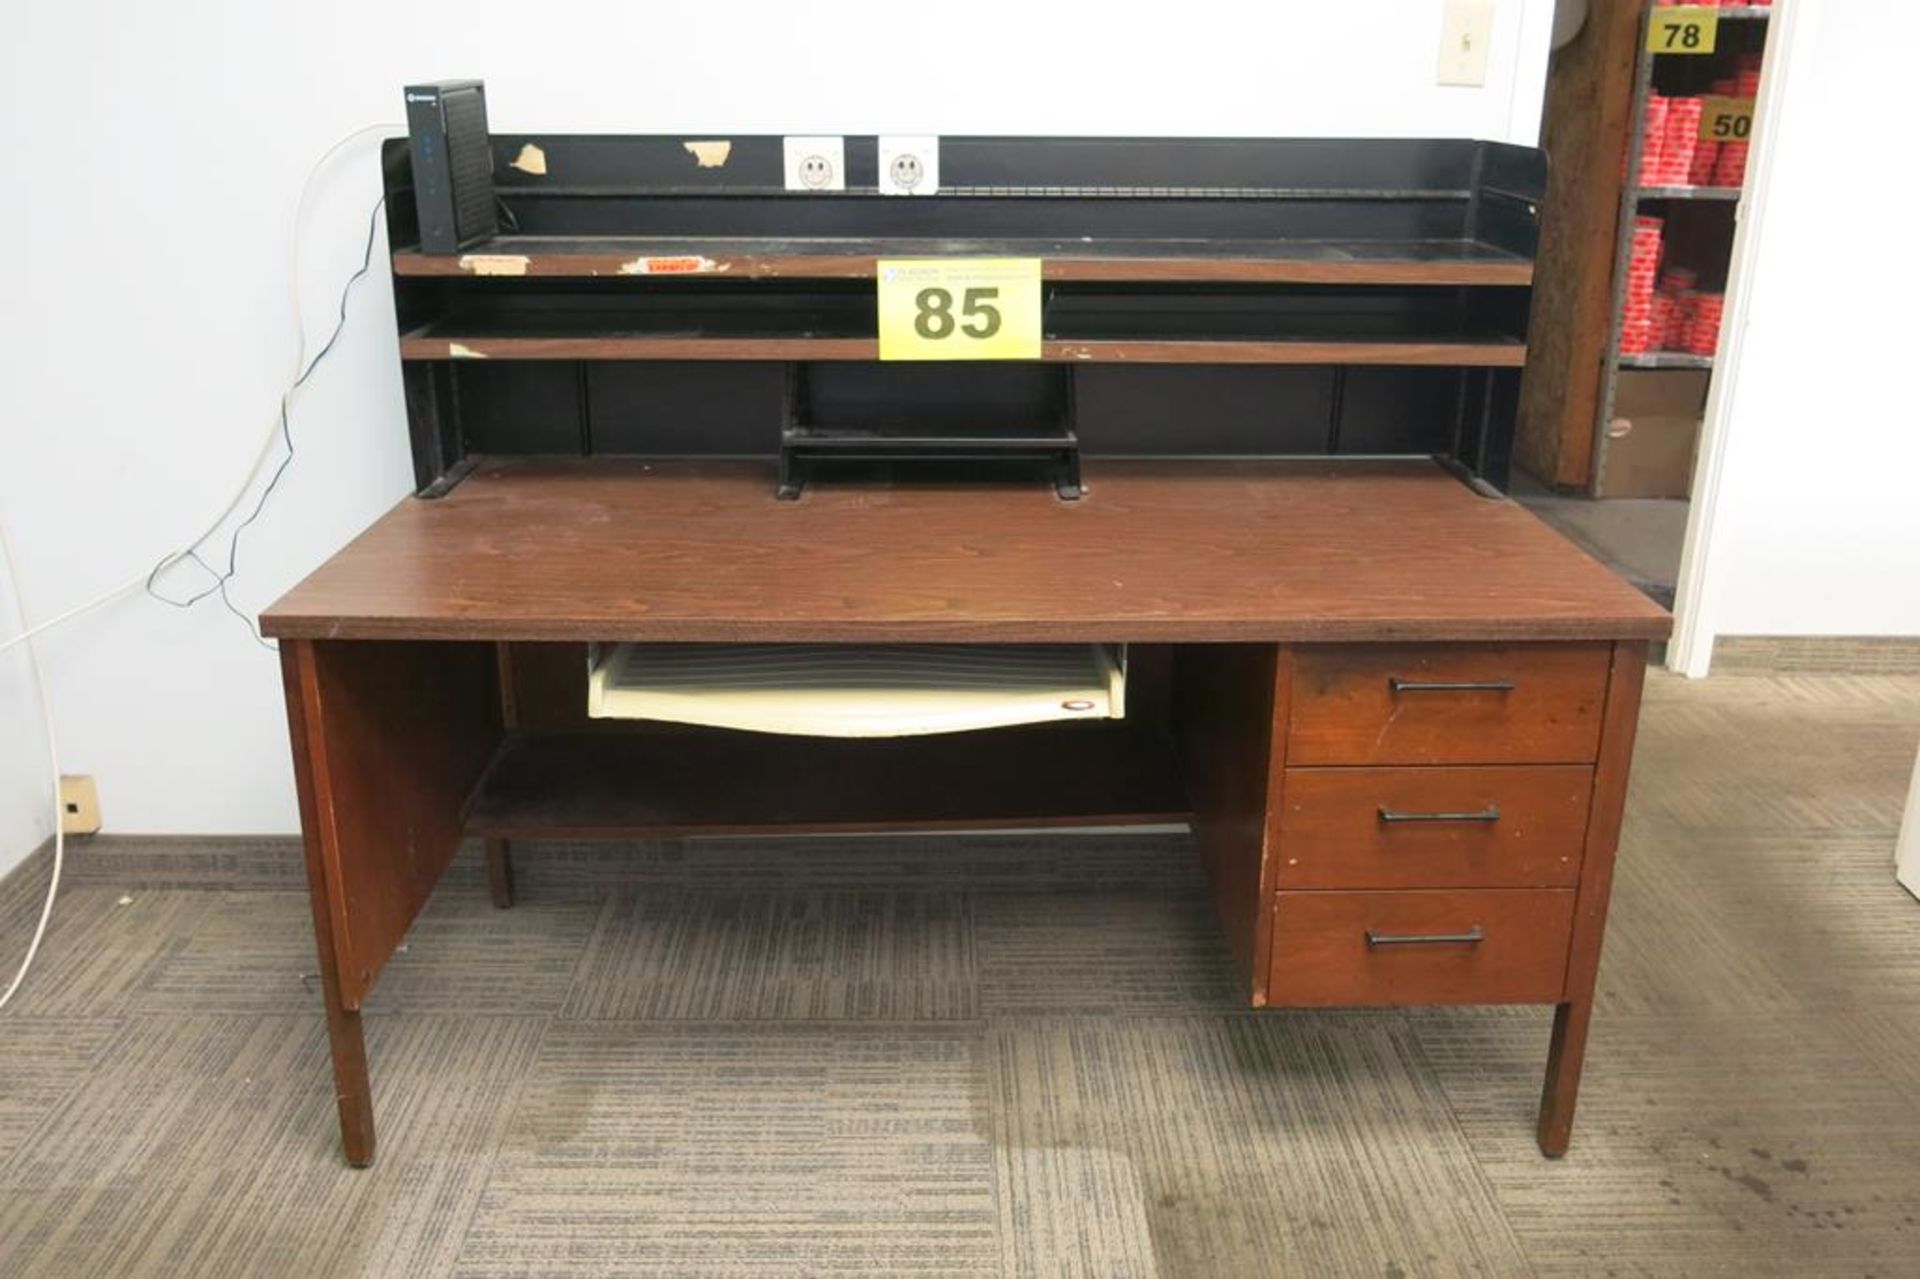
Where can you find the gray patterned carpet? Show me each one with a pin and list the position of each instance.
(990, 1056)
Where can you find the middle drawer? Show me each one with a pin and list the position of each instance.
(1510, 826)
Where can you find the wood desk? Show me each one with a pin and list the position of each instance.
(1398, 713)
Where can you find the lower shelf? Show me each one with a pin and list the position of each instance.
(1666, 360)
(620, 784)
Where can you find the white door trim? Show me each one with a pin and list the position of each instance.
(1691, 650)
(1906, 854)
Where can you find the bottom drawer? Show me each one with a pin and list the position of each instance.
(1492, 946)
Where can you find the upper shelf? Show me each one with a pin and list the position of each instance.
(1289, 261)
(1361, 211)
(1489, 352)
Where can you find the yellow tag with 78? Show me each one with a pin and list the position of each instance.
(1683, 29)
(959, 308)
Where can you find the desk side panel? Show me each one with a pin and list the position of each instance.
(395, 735)
(1225, 699)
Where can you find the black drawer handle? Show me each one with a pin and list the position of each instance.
(1491, 813)
(1472, 937)
(1398, 685)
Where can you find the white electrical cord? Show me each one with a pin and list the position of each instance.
(172, 558)
(29, 630)
(53, 762)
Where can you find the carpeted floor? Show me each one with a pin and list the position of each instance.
(991, 1056)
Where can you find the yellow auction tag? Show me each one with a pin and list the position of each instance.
(1726, 120)
(1683, 29)
(959, 308)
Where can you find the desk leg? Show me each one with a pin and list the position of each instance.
(1566, 1053)
(499, 857)
(499, 873)
(388, 740)
(352, 1090)
(1568, 1049)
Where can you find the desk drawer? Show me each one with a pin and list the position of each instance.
(1491, 946)
(1506, 827)
(1447, 703)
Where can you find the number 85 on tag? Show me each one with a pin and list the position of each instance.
(959, 308)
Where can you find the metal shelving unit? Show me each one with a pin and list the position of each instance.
(1664, 360)
(1688, 193)
(1631, 197)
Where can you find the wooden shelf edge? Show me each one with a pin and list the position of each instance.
(696, 265)
(290, 625)
(1502, 354)
(677, 781)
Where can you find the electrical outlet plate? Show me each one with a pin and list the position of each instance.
(79, 806)
(909, 165)
(1466, 33)
(815, 164)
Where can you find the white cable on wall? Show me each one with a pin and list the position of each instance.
(53, 764)
(175, 557)
(29, 630)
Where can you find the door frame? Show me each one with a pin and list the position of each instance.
(1690, 652)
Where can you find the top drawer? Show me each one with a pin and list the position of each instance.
(1447, 703)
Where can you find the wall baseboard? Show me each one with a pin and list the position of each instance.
(1818, 654)
(1130, 856)
(161, 861)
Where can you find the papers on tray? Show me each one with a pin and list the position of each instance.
(857, 690)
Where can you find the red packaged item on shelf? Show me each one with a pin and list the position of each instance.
(1683, 135)
(1730, 167)
(1676, 280)
(1748, 83)
(1643, 266)
(1652, 141)
(1703, 323)
(1665, 328)
(1706, 157)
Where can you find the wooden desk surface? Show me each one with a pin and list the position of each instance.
(1156, 552)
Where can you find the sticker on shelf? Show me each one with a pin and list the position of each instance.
(959, 308)
(1688, 29)
(1726, 120)
(909, 166)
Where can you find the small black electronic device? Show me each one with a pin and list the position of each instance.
(452, 164)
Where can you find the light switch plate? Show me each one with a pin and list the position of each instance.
(815, 163)
(1466, 34)
(909, 165)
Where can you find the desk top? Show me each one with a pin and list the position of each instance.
(1185, 551)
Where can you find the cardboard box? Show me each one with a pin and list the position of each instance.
(1655, 433)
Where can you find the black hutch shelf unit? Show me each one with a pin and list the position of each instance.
(1201, 298)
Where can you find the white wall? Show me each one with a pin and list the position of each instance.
(1816, 527)
(149, 324)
